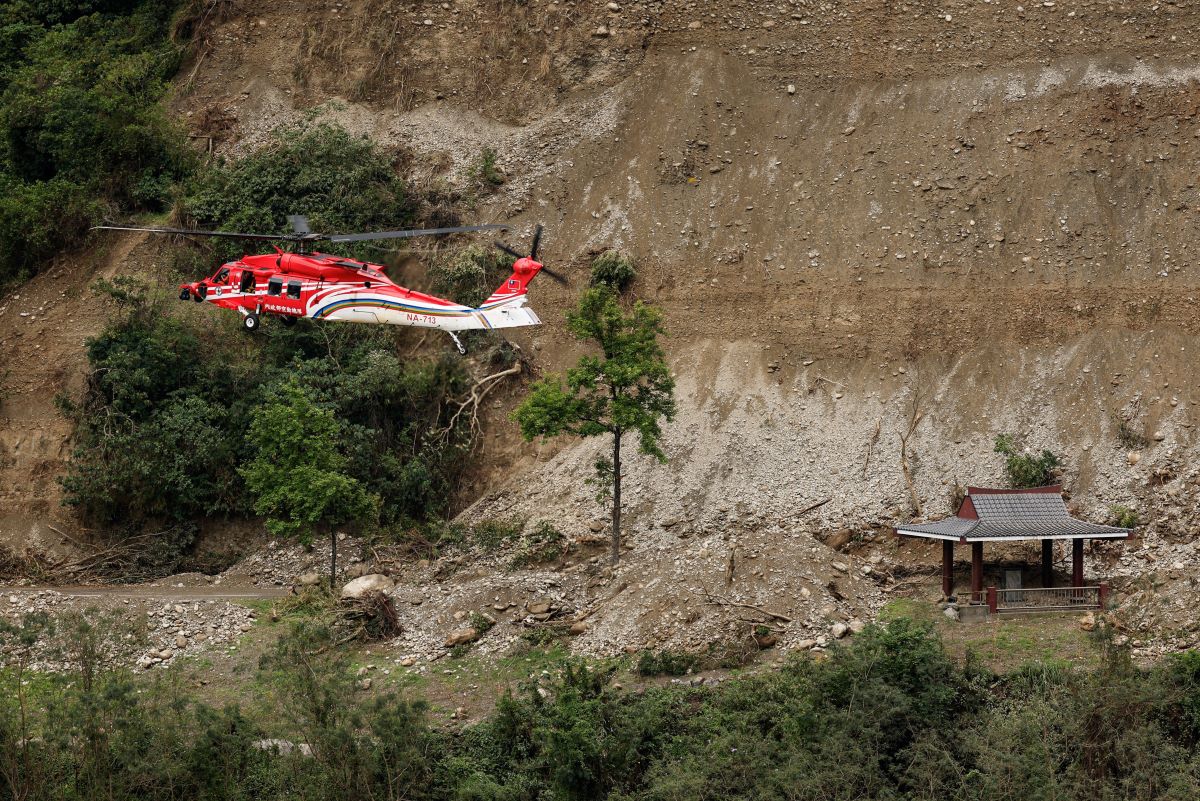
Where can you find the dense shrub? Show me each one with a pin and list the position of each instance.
(163, 424)
(81, 126)
(613, 269)
(469, 275)
(1025, 469)
(341, 182)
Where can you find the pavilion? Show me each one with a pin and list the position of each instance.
(1006, 515)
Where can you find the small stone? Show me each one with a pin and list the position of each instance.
(596, 526)
(613, 7)
(695, 25)
(578, 628)
(407, 661)
(165, 654)
(840, 567)
(791, 89)
(857, 626)
(181, 641)
(363, 684)
(601, 32)
(1133, 457)
(839, 630)
(849, 130)
(1159, 436)
(244, 627)
(951, 612)
(310, 579)
(537, 607)
(806, 645)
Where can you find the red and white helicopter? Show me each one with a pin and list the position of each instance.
(309, 284)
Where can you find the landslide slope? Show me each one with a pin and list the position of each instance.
(861, 220)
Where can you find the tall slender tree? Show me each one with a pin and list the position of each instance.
(628, 388)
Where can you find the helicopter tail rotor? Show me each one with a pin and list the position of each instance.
(533, 251)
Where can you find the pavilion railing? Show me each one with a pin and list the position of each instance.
(1038, 599)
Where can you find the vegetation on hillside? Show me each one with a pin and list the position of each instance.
(1023, 468)
(168, 416)
(341, 182)
(888, 716)
(166, 430)
(81, 127)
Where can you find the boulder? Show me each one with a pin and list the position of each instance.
(951, 612)
(839, 630)
(578, 628)
(537, 607)
(372, 582)
(840, 539)
(310, 579)
(461, 637)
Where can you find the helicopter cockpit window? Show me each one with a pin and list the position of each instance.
(222, 276)
(294, 289)
(275, 286)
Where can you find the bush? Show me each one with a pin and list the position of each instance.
(161, 429)
(613, 269)
(81, 127)
(342, 182)
(1123, 516)
(666, 663)
(545, 543)
(470, 275)
(484, 172)
(1024, 469)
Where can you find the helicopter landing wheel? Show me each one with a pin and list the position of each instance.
(287, 321)
(185, 294)
(250, 322)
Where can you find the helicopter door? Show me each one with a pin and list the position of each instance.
(247, 284)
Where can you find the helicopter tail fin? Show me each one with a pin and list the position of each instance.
(514, 289)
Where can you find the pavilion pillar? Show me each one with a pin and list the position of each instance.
(947, 568)
(976, 568)
(1077, 562)
(1047, 563)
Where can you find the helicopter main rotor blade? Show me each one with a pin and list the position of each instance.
(537, 240)
(509, 250)
(408, 233)
(556, 276)
(194, 232)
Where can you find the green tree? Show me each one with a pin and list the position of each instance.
(628, 388)
(297, 475)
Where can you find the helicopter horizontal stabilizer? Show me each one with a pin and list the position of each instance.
(509, 316)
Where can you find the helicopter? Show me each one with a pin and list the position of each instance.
(305, 283)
